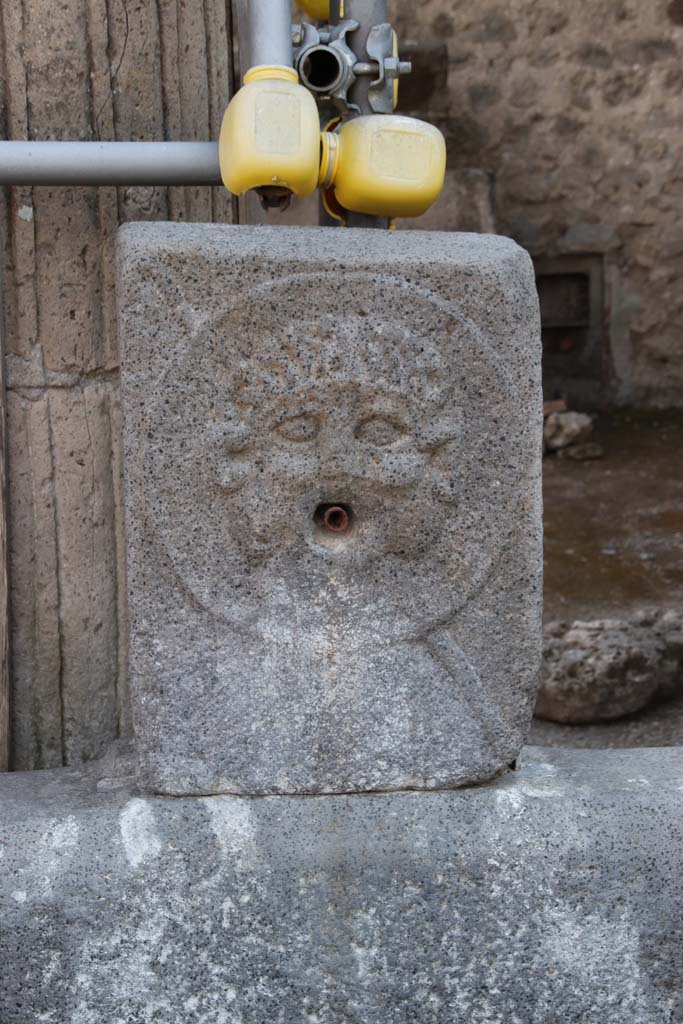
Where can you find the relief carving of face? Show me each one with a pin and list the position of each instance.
(281, 411)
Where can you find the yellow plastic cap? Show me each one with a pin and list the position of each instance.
(385, 166)
(318, 9)
(270, 134)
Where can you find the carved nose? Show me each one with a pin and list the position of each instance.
(334, 518)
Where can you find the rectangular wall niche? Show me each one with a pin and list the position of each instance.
(571, 293)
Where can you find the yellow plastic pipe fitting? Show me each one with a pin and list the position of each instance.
(384, 166)
(270, 135)
(318, 9)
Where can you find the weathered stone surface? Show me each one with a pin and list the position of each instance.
(552, 894)
(601, 670)
(64, 585)
(36, 714)
(269, 373)
(77, 70)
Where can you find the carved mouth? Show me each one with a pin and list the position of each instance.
(334, 518)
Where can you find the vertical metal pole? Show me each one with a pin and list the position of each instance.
(4, 557)
(367, 13)
(270, 32)
(249, 209)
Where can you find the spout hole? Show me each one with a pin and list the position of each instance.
(334, 518)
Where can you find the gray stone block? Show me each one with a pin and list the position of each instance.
(553, 894)
(269, 374)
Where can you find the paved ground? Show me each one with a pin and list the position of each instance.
(660, 726)
(614, 543)
(614, 526)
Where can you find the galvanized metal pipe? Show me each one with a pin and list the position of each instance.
(270, 32)
(367, 13)
(109, 163)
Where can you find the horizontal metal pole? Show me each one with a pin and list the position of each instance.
(109, 163)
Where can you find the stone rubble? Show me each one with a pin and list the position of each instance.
(602, 670)
(563, 429)
(583, 452)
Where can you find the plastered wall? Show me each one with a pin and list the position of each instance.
(574, 112)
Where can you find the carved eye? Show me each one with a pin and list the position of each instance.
(299, 428)
(380, 432)
(236, 440)
(230, 437)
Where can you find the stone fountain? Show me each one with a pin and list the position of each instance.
(333, 468)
